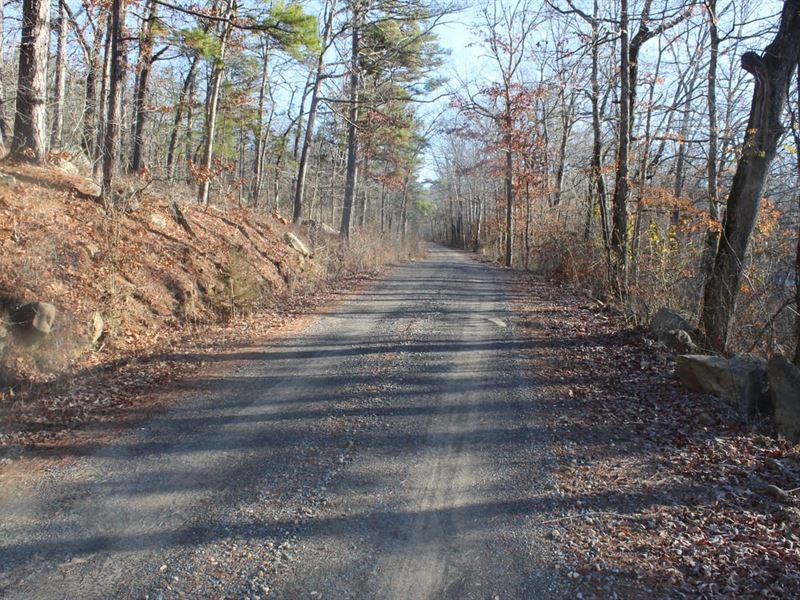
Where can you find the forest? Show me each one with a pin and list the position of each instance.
(646, 152)
(399, 299)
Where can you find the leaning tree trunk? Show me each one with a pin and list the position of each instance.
(302, 167)
(116, 79)
(176, 122)
(29, 141)
(772, 73)
(57, 132)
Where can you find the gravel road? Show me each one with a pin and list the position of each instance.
(389, 450)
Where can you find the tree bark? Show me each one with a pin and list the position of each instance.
(144, 67)
(29, 141)
(302, 167)
(712, 232)
(619, 232)
(3, 119)
(258, 153)
(351, 175)
(598, 182)
(57, 133)
(102, 123)
(509, 192)
(772, 72)
(212, 105)
(116, 84)
(91, 104)
(182, 100)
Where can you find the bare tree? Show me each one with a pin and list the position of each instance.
(772, 71)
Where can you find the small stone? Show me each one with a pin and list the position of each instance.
(158, 220)
(8, 180)
(96, 328)
(162, 569)
(91, 249)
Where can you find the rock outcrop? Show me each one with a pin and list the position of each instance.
(741, 380)
(784, 383)
(297, 244)
(673, 330)
(34, 317)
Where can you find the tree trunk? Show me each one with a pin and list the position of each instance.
(212, 106)
(772, 73)
(351, 176)
(144, 67)
(258, 158)
(712, 232)
(116, 85)
(91, 104)
(182, 100)
(99, 143)
(302, 167)
(598, 182)
(509, 191)
(619, 232)
(796, 135)
(57, 133)
(3, 120)
(29, 142)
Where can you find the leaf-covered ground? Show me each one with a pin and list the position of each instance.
(663, 492)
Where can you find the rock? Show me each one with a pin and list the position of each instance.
(71, 160)
(35, 317)
(320, 227)
(158, 220)
(296, 243)
(775, 492)
(672, 330)
(91, 249)
(8, 180)
(66, 166)
(93, 189)
(96, 328)
(741, 380)
(784, 383)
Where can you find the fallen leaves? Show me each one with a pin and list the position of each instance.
(661, 489)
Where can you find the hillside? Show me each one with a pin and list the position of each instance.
(124, 282)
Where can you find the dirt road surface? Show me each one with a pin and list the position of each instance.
(390, 450)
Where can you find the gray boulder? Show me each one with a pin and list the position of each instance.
(35, 317)
(741, 380)
(673, 330)
(784, 382)
(296, 243)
